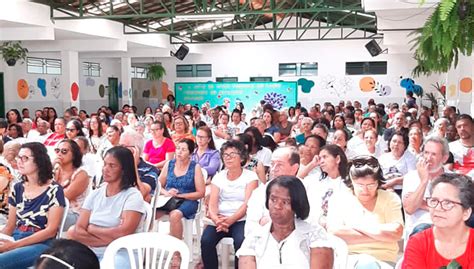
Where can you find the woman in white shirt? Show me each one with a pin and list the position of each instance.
(230, 191)
(287, 241)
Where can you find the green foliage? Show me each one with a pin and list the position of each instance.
(156, 72)
(12, 50)
(440, 42)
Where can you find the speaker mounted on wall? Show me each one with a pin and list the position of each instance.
(181, 52)
(373, 48)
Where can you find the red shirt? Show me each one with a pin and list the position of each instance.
(421, 252)
(53, 139)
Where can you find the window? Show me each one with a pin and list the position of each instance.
(91, 69)
(193, 70)
(366, 68)
(298, 69)
(139, 72)
(261, 79)
(43, 66)
(227, 79)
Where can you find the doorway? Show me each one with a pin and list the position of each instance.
(113, 94)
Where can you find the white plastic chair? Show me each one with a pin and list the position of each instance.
(341, 251)
(226, 243)
(63, 219)
(148, 217)
(147, 250)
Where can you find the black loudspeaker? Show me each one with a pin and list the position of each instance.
(373, 48)
(181, 52)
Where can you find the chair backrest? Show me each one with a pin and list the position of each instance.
(63, 219)
(204, 174)
(341, 251)
(147, 250)
(148, 217)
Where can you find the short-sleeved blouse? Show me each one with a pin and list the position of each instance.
(157, 155)
(34, 212)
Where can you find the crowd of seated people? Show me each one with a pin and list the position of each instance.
(284, 184)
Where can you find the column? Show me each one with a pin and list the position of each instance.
(70, 79)
(459, 85)
(126, 69)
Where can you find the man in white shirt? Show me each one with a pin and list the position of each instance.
(285, 161)
(463, 148)
(416, 183)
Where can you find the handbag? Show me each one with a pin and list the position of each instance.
(171, 205)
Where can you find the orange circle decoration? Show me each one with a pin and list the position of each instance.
(367, 84)
(452, 90)
(22, 88)
(465, 85)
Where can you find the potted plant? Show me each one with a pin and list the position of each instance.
(156, 72)
(12, 51)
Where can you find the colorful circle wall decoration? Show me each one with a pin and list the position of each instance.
(22, 88)
(367, 84)
(465, 85)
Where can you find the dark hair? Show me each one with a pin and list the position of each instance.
(162, 126)
(189, 143)
(99, 128)
(236, 111)
(208, 132)
(289, 111)
(404, 136)
(3, 123)
(256, 136)
(340, 117)
(244, 155)
(76, 152)
(464, 117)
(322, 121)
(247, 140)
(71, 252)
(318, 138)
(297, 191)
(42, 161)
(335, 150)
(18, 128)
(463, 183)
(365, 165)
(85, 112)
(78, 125)
(374, 124)
(125, 157)
(18, 116)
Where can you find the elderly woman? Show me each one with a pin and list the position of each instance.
(358, 140)
(440, 127)
(205, 153)
(72, 177)
(181, 179)
(181, 129)
(161, 148)
(415, 138)
(450, 239)
(35, 211)
(397, 162)
(373, 224)
(287, 241)
(114, 210)
(9, 154)
(230, 191)
(305, 130)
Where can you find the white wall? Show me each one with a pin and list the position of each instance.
(245, 60)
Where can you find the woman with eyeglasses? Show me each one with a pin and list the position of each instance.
(72, 177)
(397, 162)
(450, 239)
(74, 129)
(373, 223)
(287, 241)
(161, 148)
(205, 153)
(181, 129)
(230, 191)
(36, 206)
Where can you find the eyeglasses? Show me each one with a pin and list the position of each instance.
(23, 158)
(372, 186)
(445, 204)
(70, 129)
(230, 155)
(57, 260)
(365, 160)
(154, 130)
(63, 151)
(201, 137)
